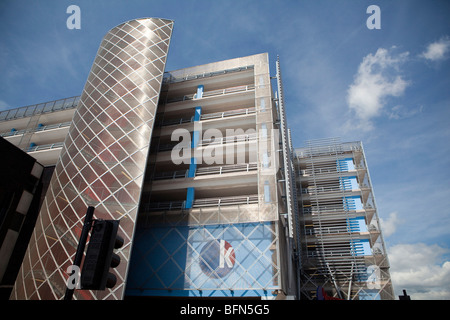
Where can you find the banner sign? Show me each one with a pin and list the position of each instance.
(215, 260)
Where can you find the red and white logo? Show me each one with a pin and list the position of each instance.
(217, 258)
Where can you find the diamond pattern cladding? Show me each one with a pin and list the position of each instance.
(103, 159)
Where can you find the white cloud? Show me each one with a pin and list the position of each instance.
(376, 80)
(401, 112)
(421, 270)
(437, 50)
(390, 225)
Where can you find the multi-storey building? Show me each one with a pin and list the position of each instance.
(342, 247)
(196, 164)
(187, 160)
(209, 219)
(39, 129)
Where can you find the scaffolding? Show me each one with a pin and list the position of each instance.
(342, 249)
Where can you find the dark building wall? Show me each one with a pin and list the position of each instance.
(21, 188)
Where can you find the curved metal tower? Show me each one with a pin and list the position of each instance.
(103, 159)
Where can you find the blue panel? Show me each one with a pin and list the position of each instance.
(192, 168)
(345, 165)
(353, 226)
(198, 113)
(349, 183)
(361, 247)
(211, 261)
(189, 198)
(353, 203)
(357, 224)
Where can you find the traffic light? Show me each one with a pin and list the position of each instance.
(100, 257)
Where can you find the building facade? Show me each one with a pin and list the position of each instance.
(342, 248)
(102, 160)
(21, 184)
(211, 205)
(196, 164)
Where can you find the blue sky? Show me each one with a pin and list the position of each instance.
(389, 88)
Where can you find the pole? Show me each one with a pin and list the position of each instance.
(81, 245)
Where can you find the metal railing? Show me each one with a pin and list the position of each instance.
(46, 107)
(171, 122)
(38, 129)
(333, 209)
(246, 167)
(224, 201)
(231, 139)
(208, 116)
(172, 77)
(314, 190)
(44, 147)
(225, 114)
(164, 206)
(328, 150)
(206, 202)
(207, 142)
(213, 93)
(170, 175)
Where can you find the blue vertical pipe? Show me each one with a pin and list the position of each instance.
(192, 167)
(189, 197)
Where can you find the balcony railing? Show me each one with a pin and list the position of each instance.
(328, 150)
(208, 116)
(199, 203)
(224, 201)
(323, 190)
(332, 209)
(231, 139)
(170, 175)
(44, 147)
(38, 129)
(326, 170)
(206, 142)
(230, 113)
(28, 111)
(164, 206)
(173, 77)
(213, 93)
(246, 167)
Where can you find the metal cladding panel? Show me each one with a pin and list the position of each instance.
(103, 159)
(222, 260)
